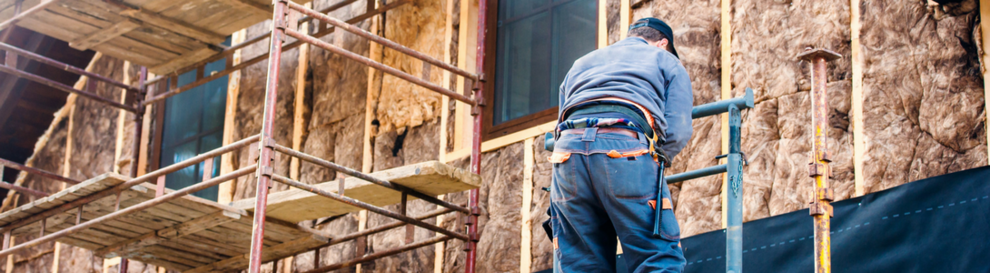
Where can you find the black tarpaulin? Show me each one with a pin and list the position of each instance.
(939, 224)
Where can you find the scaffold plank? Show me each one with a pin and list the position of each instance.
(161, 35)
(181, 234)
(431, 178)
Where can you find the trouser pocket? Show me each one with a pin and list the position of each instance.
(669, 229)
(630, 177)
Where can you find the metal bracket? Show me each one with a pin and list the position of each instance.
(476, 211)
(292, 19)
(741, 154)
(816, 169)
(825, 194)
(266, 171)
(826, 156)
(820, 208)
(267, 142)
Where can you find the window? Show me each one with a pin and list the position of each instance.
(192, 123)
(537, 42)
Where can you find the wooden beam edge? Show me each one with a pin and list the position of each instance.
(226, 189)
(985, 28)
(526, 246)
(859, 136)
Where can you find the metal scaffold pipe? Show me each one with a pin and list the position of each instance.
(820, 208)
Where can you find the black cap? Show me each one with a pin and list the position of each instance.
(660, 26)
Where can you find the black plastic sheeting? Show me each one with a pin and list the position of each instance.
(939, 224)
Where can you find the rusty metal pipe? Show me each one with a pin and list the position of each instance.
(479, 91)
(377, 255)
(266, 156)
(138, 207)
(379, 66)
(381, 40)
(24, 190)
(63, 87)
(386, 227)
(66, 67)
(366, 177)
(130, 183)
(369, 207)
(820, 207)
(36, 171)
(230, 51)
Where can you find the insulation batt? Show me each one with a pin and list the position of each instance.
(923, 106)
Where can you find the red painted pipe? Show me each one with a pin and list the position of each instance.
(132, 209)
(381, 40)
(66, 67)
(476, 137)
(36, 171)
(267, 129)
(384, 68)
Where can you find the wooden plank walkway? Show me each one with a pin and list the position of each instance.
(186, 234)
(163, 35)
(192, 234)
(432, 178)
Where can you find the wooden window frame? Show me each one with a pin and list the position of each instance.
(488, 130)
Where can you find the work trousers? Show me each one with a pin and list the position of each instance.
(596, 197)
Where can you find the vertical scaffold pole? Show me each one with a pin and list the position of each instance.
(820, 208)
(138, 121)
(265, 155)
(733, 236)
(476, 111)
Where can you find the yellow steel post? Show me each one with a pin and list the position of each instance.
(820, 208)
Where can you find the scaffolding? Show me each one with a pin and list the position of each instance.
(286, 17)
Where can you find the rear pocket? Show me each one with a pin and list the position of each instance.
(633, 177)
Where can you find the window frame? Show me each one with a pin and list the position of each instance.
(158, 134)
(490, 131)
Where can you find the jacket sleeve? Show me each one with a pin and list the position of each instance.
(677, 111)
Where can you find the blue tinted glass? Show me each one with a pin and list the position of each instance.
(573, 36)
(193, 125)
(538, 41)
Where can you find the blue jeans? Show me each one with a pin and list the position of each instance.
(596, 198)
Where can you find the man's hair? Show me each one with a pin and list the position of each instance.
(649, 34)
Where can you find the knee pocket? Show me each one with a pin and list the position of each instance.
(669, 229)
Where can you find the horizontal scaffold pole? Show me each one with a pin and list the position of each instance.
(363, 205)
(718, 107)
(377, 255)
(66, 67)
(366, 177)
(132, 209)
(381, 40)
(698, 173)
(230, 51)
(130, 183)
(384, 68)
(36, 171)
(63, 87)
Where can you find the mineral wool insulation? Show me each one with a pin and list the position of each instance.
(923, 111)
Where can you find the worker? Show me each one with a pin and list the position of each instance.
(626, 108)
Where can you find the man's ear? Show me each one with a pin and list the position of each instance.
(662, 44)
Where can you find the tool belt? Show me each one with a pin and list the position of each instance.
(655, 136)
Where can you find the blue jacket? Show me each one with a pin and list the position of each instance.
(633, 70)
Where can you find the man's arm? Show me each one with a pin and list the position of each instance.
(677, 112)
